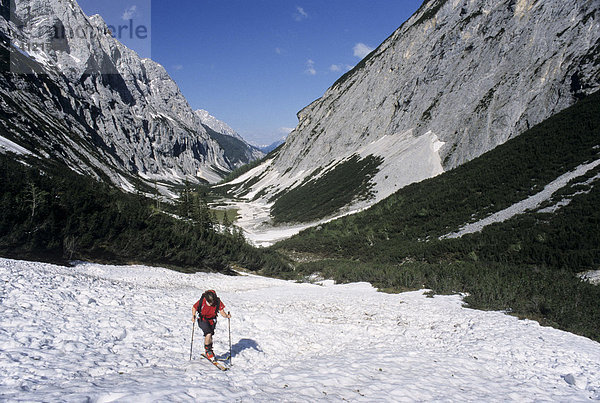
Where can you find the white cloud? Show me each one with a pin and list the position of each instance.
(285, 130)
(337, 68)
(361, 50)
(310, 67)
(300, 14)
(129, 13)
(178, 67)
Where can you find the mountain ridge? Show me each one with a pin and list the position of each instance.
(96, 105)
(515, 229)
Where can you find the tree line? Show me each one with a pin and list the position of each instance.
(50, 213)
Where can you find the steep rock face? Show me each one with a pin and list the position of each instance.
(237, 150)
(75, 93)
(217, 125)
(457, 79)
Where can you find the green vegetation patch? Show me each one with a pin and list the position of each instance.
(433, 7)
(320, 197)
(225, 217)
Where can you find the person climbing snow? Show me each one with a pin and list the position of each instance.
(206, 310)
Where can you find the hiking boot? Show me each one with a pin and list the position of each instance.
(208, 352)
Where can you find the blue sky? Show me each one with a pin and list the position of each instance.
(255, 63)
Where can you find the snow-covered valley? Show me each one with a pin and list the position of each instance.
(122, 333)
(405, 160)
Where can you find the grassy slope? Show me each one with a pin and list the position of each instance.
(319, 197)
(434, 207)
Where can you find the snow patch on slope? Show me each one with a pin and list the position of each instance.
(254, 219)
(257, 171)
(406, 159)
(8, 146)
(531, 203)
(105, 333)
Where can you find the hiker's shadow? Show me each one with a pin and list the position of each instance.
(244, 344)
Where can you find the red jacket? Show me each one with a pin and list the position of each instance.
(207, 311)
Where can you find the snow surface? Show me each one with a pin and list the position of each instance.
(122, 333)
(591, 276)
(252, 218)
(7, 145)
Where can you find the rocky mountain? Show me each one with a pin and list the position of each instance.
(71, 92)
(238, 151)
(217, 125)
(457, 79)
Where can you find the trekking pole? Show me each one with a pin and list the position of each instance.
(229, 322)
(192, 344)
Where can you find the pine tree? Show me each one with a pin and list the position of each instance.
(238, 234)
(201, 213)
(185, 203)
(226, 223)
(34, 196)
(156, 195)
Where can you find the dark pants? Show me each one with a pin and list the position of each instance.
(206, 327)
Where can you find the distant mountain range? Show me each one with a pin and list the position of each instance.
(91, 102)
(238, 152)
(272, 146)
(454, 81)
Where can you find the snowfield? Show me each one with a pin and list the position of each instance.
(122, 333)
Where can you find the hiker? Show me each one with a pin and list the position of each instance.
(207, 318)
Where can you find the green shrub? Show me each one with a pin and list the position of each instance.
(319, 197)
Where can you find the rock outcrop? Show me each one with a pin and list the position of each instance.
(457, 79)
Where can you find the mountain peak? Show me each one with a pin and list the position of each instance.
(93, 103)
(217, 125)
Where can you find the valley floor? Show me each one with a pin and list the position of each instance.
(123, 333)
(254, 218)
